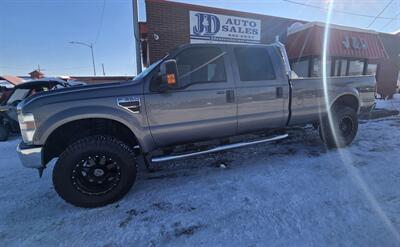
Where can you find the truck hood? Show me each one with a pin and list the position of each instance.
(81, 93)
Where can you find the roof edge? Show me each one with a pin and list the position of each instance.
(334, 26)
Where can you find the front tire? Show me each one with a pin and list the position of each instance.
(345, 127)
(3, 133)
(95, 171)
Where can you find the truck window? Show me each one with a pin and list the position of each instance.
(254, 64)
(201, 65)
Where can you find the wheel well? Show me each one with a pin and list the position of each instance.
(70, 132)
(347, 100)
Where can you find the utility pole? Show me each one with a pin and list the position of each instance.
(94, 65)
(104, 73)
(136, 34)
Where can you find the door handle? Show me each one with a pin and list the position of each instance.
(221, 92)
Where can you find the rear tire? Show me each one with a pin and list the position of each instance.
(3, 133)
(95, 171)
(345, 126)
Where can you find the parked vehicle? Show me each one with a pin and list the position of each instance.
(5, 90)
(198, 92)
(8, 108)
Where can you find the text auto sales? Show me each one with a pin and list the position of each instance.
(240, 26)
(214, 27)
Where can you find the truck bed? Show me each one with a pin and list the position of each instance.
(308, 95)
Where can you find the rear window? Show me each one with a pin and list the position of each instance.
(254, 64)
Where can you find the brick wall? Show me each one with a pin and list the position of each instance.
(170, 21)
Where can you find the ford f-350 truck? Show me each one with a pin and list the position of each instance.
(198, 92)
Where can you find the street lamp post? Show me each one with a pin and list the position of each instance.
(91, 48)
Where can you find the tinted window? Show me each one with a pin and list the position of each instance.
(254, 64)
(201, 65)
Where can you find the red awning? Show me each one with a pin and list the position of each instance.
(342, 43)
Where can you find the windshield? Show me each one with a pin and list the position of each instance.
(18, 95)
(145, 72)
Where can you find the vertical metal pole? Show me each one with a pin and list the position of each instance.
(104, 73)
(94, 65)
(136, 34)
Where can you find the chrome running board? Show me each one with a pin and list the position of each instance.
(217, 149)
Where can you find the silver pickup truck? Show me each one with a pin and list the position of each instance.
(196, 93)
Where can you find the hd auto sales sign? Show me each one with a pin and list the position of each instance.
(209, 28)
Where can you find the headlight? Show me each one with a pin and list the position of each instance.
(27, 126)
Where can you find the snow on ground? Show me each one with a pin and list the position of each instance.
(393, 104)
(292, 193)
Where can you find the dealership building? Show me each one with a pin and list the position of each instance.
(351, 51)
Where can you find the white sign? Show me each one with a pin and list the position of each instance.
(355, 42)
(208, 28)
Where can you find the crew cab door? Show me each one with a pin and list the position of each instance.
(204, 107)
(261, 87)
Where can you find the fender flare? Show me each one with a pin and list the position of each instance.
(131, 121)
(353, 93)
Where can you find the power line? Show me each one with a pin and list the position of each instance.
(338, 11)
(383, 10)
(389, 22)
(101, 22)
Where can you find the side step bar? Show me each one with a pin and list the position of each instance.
(217, 149)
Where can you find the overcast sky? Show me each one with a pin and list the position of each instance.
(36, 32)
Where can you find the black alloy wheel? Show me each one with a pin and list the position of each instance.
(345, 127)
(95, 171)
(96, 175)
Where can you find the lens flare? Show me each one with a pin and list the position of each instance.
(345, 155)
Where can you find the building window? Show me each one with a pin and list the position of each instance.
(340, 67)
(301, 67)
(317, 67)
(201, 65)
(356, 67)
(254, 64)
(371, 69)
